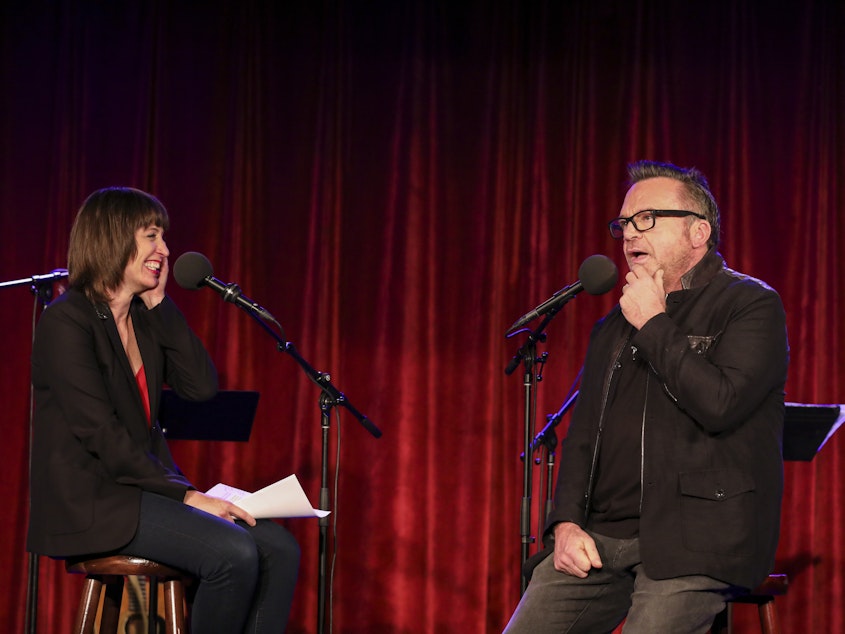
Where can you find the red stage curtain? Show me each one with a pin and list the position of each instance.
(397, 182)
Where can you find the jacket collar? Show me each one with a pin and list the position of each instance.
(702, 273)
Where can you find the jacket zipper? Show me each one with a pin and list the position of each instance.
(613, 367)
(642, 443)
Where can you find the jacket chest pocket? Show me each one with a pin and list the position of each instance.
(717, 511)
(701, 344)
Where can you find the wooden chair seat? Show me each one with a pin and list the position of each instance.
(111, 572)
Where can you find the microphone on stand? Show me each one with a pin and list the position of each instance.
(193, 270)
(53, 276)
(596, 275)
(40, 285)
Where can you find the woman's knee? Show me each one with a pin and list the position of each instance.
(276, 542)
(236, 556)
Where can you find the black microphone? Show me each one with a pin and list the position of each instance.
(193, 270)
(596, 275)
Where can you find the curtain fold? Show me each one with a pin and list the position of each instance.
(396, 183)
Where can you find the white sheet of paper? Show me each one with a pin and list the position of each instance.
(284, 498)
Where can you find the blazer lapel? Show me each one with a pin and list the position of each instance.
(148, 356)
(107, 319)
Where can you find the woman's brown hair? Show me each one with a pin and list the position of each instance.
(102, 239)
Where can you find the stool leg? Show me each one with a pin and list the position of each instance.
(152, 610)
(769, 623)
(111, 604)
(88, 604)
(174, 614)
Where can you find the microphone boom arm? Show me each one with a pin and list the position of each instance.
(47, 278)
(321, 379)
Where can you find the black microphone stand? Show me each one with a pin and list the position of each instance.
(330, 397)
(547, 437)
(42, 287)
(527, 354)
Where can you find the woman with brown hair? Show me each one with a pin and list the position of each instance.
(103, 480)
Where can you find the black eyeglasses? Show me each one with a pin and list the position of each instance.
(645, 219)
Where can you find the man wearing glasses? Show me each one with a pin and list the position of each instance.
(668, 495)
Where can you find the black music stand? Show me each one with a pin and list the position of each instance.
(226, 416)
(807, 427)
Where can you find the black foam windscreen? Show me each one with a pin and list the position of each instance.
(598, 274)
(191, 269)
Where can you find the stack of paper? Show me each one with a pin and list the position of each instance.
(284, 498)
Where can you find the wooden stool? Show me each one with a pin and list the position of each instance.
(764, 597)
(111, 571)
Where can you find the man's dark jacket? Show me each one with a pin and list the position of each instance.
(93, 449)
(712, 426)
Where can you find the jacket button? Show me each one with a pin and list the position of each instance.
(720, 494)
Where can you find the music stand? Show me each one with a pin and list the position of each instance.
(226, 416)
(807, 427)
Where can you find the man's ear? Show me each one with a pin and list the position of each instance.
(700, 233)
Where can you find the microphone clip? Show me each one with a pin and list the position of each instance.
(231, 293)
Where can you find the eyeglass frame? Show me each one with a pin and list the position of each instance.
(623, 222)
